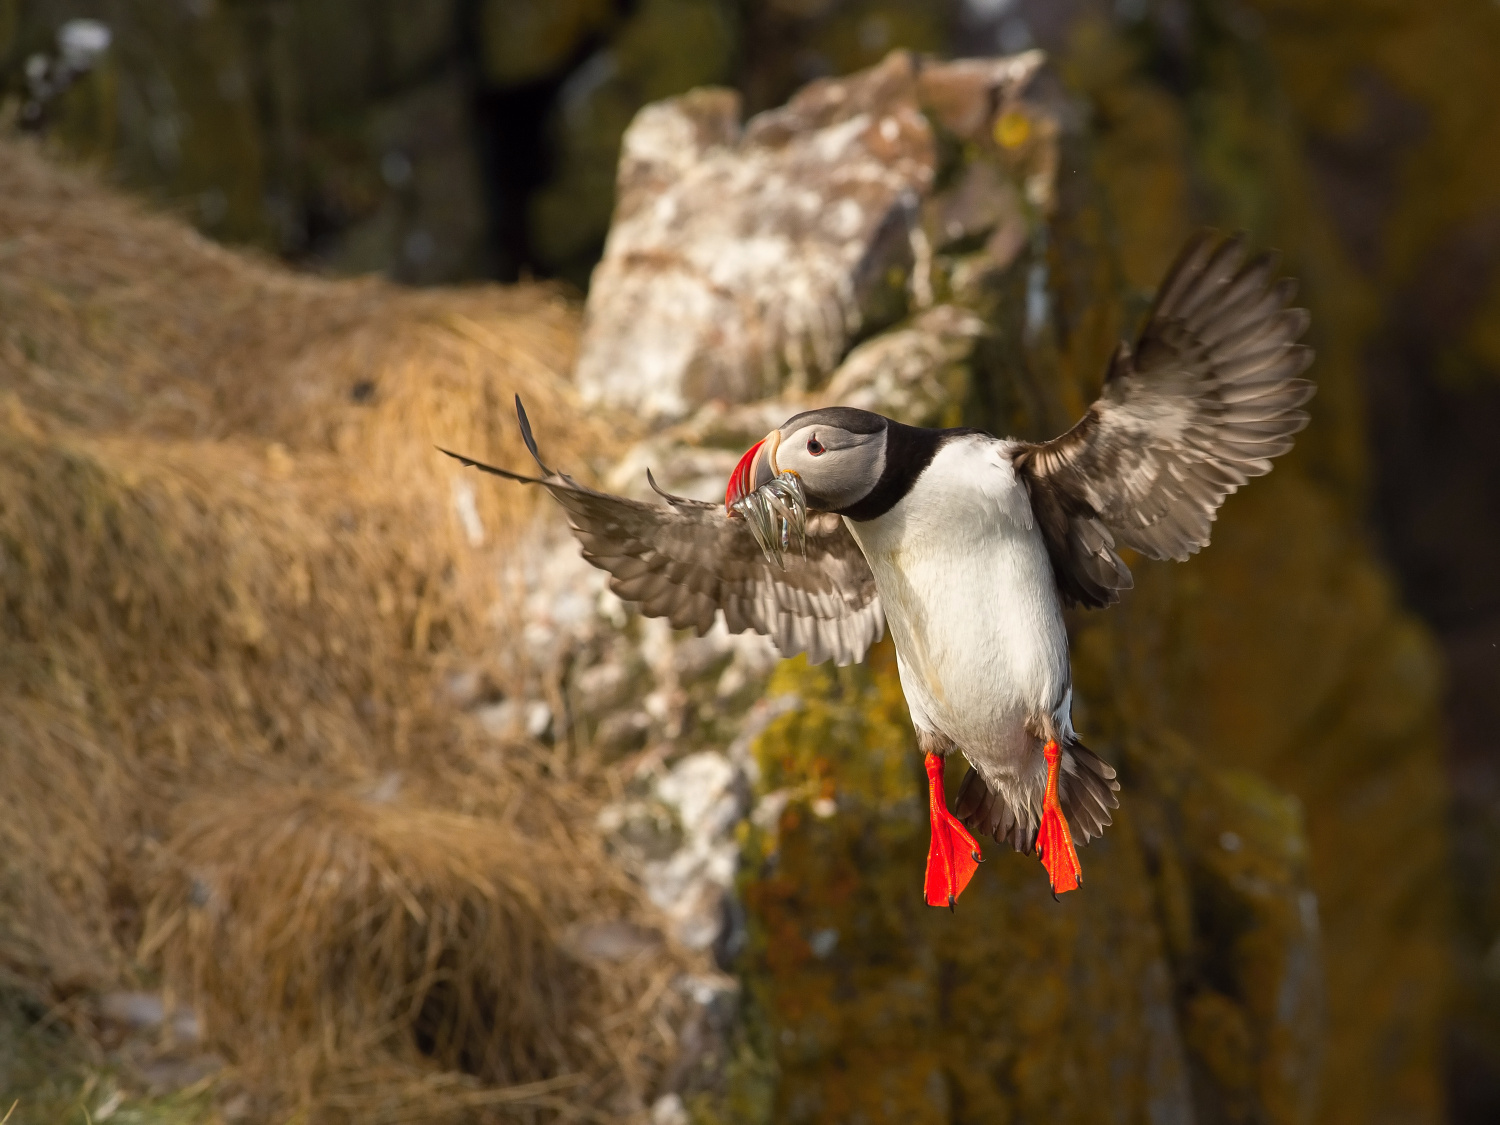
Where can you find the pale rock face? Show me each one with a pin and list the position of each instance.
(912, 373)
(738, 259)
(705, 790)
(742, 263)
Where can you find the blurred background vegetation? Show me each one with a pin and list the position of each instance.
(449, 141)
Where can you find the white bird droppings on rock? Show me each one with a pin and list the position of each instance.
(717, 275)
(669, 1110)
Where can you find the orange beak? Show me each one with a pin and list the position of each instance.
(756, 468)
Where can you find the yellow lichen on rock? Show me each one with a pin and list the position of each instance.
(1282, 648)
(1272, 708)
(1185, 973)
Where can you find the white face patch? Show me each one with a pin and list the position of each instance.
(838, 467)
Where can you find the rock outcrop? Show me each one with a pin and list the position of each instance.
(742, 263)
(1214, 965)
(1260, 936)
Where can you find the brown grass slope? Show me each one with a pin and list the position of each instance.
(231, 585)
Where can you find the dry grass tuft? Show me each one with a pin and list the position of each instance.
(234, 576)
(384, 930)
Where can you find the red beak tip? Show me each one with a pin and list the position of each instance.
(740, 479)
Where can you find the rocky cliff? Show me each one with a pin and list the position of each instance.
(1262, 933)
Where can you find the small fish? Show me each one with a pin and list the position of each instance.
(777, 515)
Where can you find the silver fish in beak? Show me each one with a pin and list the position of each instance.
(773, 503)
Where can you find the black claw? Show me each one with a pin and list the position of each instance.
(977, 857)
(952, 905)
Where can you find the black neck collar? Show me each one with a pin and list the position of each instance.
(908, 452)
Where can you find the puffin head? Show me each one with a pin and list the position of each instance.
(838, 454)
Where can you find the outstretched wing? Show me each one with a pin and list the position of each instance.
(1209, 396)
(686, 561)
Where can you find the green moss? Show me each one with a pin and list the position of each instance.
(527, 40)
(789, 42)
(1272, 708)
(176, 122)
(666, 47)
(1282, 650)
(868, 1003)
(54, 1078)
(10, 29)
(1277, 663)
(861, 33)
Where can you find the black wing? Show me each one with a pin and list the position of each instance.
(1207, 399)
(686, 561)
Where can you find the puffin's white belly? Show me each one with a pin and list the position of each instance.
(969, 596)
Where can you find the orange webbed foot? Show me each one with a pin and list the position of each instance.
(953, 856)
(1054, 840)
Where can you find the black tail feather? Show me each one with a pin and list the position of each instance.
(1086, 788)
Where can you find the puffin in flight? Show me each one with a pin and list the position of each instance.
(969, 546)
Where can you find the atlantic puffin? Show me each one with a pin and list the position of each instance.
(969, 546)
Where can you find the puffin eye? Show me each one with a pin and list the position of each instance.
(815, 447)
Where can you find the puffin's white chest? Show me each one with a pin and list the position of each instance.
(969, 595)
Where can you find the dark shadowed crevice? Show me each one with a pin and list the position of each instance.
(516, 153)
(1433, 417)
(515, 161)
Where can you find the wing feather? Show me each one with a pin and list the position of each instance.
(1209, 396)
(688, 561)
